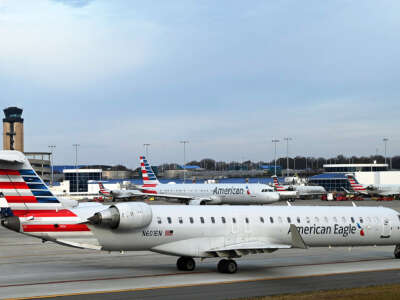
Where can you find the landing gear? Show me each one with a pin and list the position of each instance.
(185, 263)
(228, 266)
(397, 251)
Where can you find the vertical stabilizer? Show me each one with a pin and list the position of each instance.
(149, 178)
(21, 189)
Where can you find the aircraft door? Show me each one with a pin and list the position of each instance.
(387, 228)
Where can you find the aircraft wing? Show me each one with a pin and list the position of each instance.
(260, 246)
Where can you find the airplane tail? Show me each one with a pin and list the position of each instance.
(21, 189)
(355, 185)
(277, 186)
(105, 192)
(149, 178)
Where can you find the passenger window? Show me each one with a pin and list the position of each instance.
(335, 219)
(289, 220)
(298, 219)
(343, 219)
(369, 219)
(326, 219)
(352, 220)
(169, 220)
(308, 219)
(158, 220)
(212, 220)
(262, 219)
(316, 219)
(280, 219)
(361, 220)
(191, 220)
(223, 220)
(180, 220)
(271, 219)
(202, 220)
(233, 220)
(247, 220)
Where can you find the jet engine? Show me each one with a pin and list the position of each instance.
(123, 216)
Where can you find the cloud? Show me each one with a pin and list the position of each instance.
(74, 3)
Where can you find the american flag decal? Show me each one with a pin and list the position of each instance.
(169, 232)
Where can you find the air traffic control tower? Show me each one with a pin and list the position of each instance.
(13, 129)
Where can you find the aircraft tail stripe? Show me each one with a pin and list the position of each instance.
(14, 185)
(21, 199)
(9, 172)
(55, 228)
(44, 213)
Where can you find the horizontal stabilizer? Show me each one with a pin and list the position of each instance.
(11, 157)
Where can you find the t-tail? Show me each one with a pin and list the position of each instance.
(21, 189)
(27, 205)
(277, 186)
(149, 178)
(105, 192)
(355, 185)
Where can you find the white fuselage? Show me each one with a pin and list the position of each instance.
(197, 231)
(384, 189)
(221, 193)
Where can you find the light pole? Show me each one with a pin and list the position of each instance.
(385, 140)
(287, 139)
(184, 159)
(275, 141)
(52, 149)
(146, 149)
(76, 166)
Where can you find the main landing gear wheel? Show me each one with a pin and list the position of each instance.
(397, 251)
(185, 264)
(227, 266)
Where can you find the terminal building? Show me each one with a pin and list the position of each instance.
(334, 177)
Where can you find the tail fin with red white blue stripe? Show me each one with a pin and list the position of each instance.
(355, 185)
(102, 190)
(21, 189)
(149, 178)
(277, 186)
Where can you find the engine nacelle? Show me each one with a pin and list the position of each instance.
(124, 216)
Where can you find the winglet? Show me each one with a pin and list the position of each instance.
(297, 240)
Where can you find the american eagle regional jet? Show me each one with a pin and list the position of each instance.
(226, 232)
(303, 191)
(373, 189)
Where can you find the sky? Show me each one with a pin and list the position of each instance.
(227, 76)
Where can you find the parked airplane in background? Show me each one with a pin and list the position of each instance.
(198, 194)
(303, 191)
(121, 194)
(228, 232)
(373, 189)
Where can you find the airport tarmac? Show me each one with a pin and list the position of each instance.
(29, 268)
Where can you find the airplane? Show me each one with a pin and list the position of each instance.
(227, 232)
(103, 191)
(199, 194)
(121, 194)
(303, 191)
(373, 189)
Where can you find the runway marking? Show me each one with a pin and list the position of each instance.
(200, 284)
(178, 274)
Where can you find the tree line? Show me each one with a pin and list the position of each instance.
(297, 163)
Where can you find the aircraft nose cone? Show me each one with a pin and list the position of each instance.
(12, 223)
